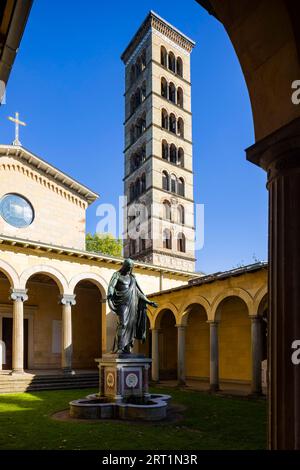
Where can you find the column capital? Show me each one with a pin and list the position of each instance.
(181, 326)
(68, 299)
(213, 322)
(18, 295)
(255, 317)
(278, 153)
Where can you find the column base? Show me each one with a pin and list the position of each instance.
(181, 383)
(214, 388)
(17, 372)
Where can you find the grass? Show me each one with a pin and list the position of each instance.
(210, 422)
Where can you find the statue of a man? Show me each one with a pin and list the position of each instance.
(127, 300)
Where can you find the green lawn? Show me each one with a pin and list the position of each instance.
(210, 422)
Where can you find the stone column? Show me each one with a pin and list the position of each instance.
(279, 155)
(181, 354)
(155, 355)
(214, 356)
(256, 350)
(67, 345)
(18, 296)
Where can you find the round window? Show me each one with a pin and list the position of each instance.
(16, 210)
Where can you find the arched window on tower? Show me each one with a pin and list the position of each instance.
(173, 184)
(137, 188)
(172, 123)
(180, 157)
(180, 188)
(132, 247)
(163, 56)
(132, 104)
(143, 183)
(172, 62)
(165, 150)
(172, 92)
(181, 242)
(167, 210)
(180, 214)
(164, 119)
(132, 136)
(165, 181)
(167, 239)
(144, 59)
(179, 67)
(143, 152)
(131, 192)
(138, 67)
(180, 128)
(164, 88)
(132, 74)
(137, 97)
(143, 91)
(173, 154)
(142, 244)
(180, 97)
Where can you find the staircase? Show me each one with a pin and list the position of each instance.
(35, 382)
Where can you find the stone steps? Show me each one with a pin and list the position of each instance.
(16, 384)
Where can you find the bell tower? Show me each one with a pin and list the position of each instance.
(158, 180)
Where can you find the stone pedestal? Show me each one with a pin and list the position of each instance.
(123, 376)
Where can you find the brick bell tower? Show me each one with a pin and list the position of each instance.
(158, 180)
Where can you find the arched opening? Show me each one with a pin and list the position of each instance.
(167, 239)
(179, 67)
(167, 210)
(132, 104)
(263, 315)
(165, 181)
(44, 293)
(131, 192)
(143, 183)
(181, 243)
(167, 345)
(234, 340)
(163, 56)
(138, 67)
(87, 325)
(180, 97)
(172, 123)
(164, 88)
(172, 62)
(165, 150)
(132, 134)
(173, 154)
(197, 354)
(180, 157)
(137, 98)
(144, 59)
(164, 119)
(172, 93)
(132, 74)
(143, 91)
(180, 214)
(180, 187)
(173, 183)
(137, 188)
(5, 324)
(180, 128)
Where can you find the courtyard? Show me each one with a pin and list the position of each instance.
(202, 421)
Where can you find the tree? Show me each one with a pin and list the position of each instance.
(104, 243)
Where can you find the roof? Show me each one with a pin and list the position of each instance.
(45, 248)
(13, 18)
(153, 19)
(218, 276)
(70, 183)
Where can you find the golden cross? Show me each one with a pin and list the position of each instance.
(17, 124)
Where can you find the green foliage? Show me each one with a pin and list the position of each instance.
(104, 243)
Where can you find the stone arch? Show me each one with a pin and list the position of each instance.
(54, 273)
(10, 273)
(96, 279)
(259, 297)
(197, 299)
(232, 292)
(155, 321)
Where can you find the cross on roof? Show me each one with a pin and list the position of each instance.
(17, 124)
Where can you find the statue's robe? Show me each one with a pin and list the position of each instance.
(130, 306)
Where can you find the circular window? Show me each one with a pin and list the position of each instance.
(16, 210)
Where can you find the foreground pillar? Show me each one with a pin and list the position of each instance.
(181, 354)
(155, 355)
(214, 356)
(279, 155)
(67, 302)
(256, 350)
(18, 297)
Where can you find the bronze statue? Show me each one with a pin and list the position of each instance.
(127, 300)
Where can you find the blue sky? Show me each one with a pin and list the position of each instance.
(68, 84)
